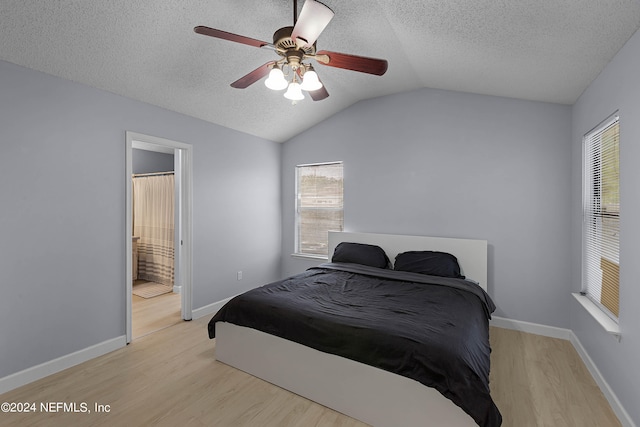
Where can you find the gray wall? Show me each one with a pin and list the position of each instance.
(617, 88)
(144, 161)
(62, 185)
(451, 164)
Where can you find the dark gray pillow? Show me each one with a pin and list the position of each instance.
(360, 253)
(432, 263)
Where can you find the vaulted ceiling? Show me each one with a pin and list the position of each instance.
(544, 50)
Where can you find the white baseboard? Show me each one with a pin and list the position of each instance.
(177, 289)
(211, 309)
(617, 407)
(37, 372)
(567, 334)
(532, 328)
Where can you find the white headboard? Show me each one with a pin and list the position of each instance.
(471, 254)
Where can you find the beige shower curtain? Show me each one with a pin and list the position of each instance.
(153, 213)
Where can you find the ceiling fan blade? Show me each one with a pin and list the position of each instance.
(229, 36)
(313, 19)
(249, 79)
(320, 94)
(362, 64)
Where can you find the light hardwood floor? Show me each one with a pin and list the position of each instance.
(149, 315)
(171, 378)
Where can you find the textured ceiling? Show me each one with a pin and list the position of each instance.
(545, 50)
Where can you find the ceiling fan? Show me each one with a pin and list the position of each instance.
(296, 46)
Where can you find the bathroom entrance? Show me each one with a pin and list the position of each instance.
(158, 230)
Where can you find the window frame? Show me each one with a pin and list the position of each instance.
(594, 213)
(297, 222)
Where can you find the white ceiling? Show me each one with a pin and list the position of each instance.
(545, 50)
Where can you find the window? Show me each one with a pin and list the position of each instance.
(601, 220)
(319, 206)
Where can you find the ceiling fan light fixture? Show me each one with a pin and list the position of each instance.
(310, 81)
(294, 92)
(295, 44)
(276, 80)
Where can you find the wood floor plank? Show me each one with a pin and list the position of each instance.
(541, 381)
(152, 314)
(171, 378)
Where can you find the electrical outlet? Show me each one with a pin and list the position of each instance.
(239, 275)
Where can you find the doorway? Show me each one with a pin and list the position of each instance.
(182, 220)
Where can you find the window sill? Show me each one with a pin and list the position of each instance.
(309, 256)
(605, 321)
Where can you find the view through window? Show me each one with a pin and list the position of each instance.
(319, 206)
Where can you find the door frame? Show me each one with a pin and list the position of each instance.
(183, 242)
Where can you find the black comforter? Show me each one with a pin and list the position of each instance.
(434, 330)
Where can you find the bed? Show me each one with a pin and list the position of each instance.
(376, 333)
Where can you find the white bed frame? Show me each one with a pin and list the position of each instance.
(372, 395)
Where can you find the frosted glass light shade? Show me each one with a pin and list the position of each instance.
(313, 19)
(310, 81)
(276, 80)
(294, 92)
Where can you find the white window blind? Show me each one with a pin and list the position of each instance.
(319, 206)
(601, 226)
